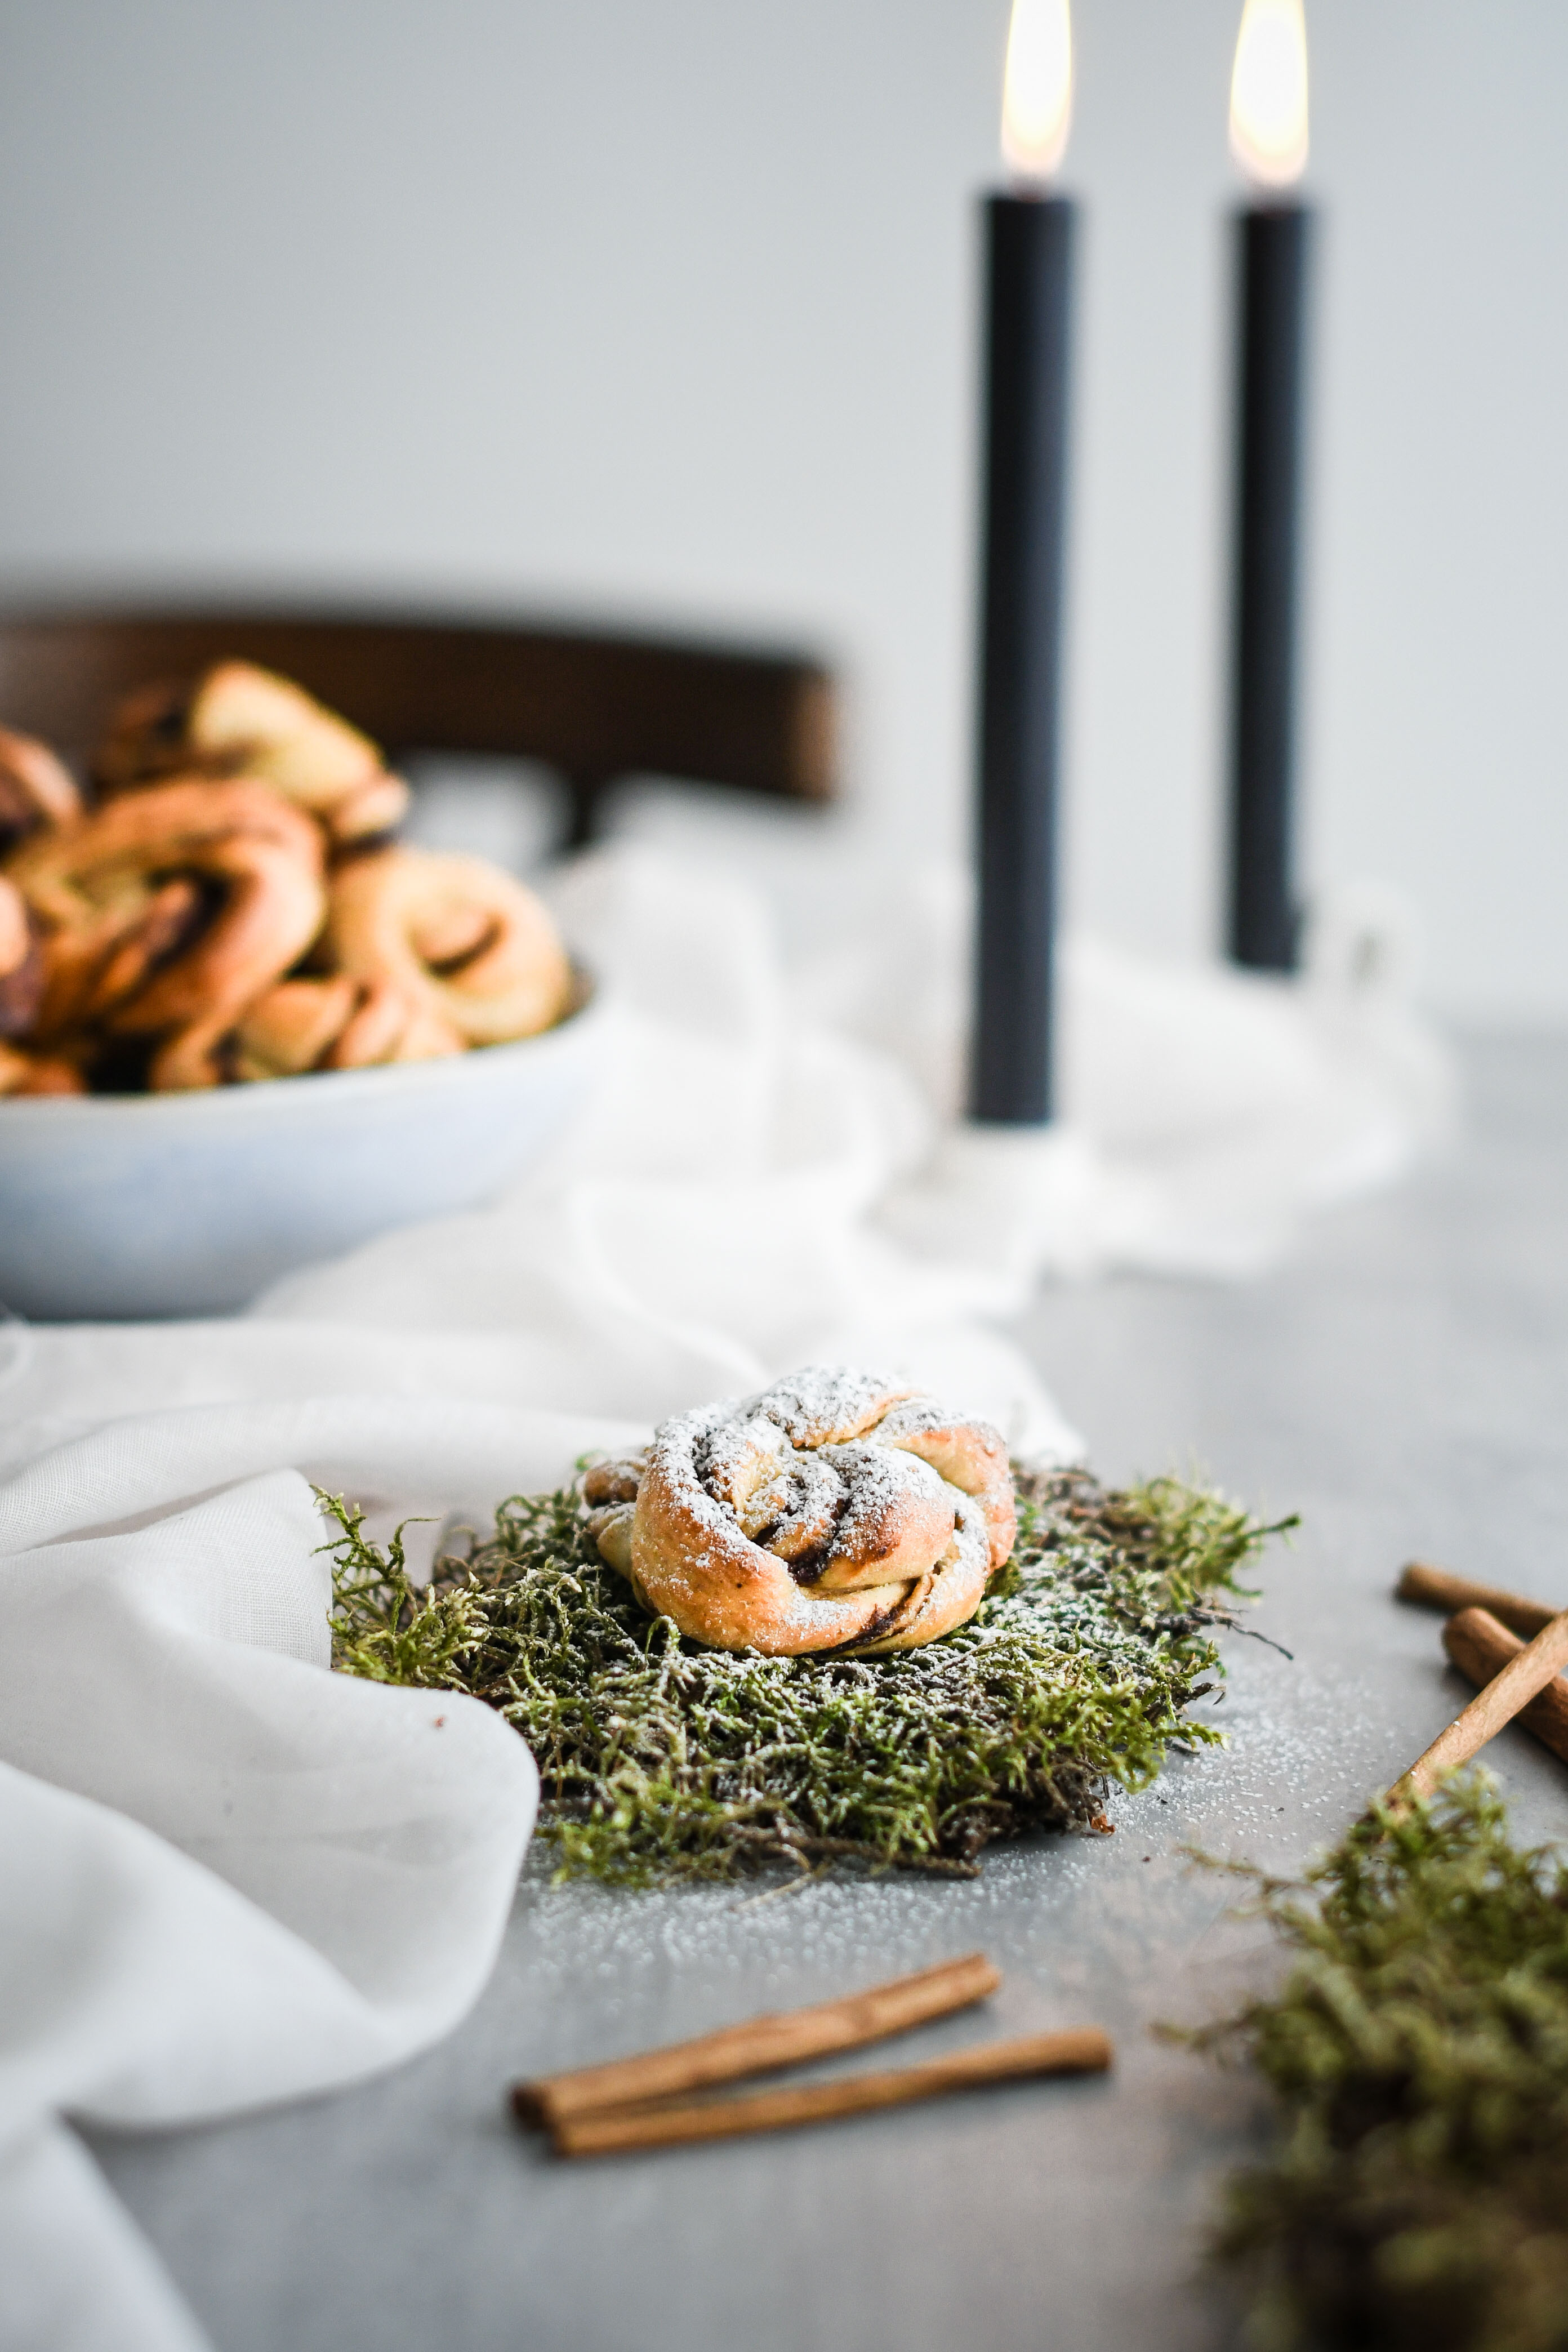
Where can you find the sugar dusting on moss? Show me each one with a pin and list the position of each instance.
(661, 1760)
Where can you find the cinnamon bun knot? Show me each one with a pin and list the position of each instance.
(230, 911)
(167, 913)
(237, 719)
(459, 938)
(835, 1511)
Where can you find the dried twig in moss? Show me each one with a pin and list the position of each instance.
(663, 1761)
(1418, 2192)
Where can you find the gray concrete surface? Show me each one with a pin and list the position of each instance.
(1403, 1383)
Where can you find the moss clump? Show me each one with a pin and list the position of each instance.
(661, 1760)
(1416, 2197)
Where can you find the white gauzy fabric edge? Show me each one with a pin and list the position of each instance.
(1205, 1112)
(229, 1876)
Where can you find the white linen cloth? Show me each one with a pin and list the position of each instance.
(227, 1877)
(1204, 1111)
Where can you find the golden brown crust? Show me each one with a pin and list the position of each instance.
(969, 1454)
(335, 1024)
(835, 1511)
(456, 935)
(169, 911)
(38, 1073)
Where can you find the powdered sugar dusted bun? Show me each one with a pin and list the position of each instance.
(835, 1511)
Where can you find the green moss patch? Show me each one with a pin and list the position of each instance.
(1416, 2199)
(661, 1760)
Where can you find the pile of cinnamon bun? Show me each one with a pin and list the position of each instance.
(228, 905)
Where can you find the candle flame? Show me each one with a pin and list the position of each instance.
(1268, 93)
(1037, 96)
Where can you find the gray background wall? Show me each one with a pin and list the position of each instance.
(666, 308)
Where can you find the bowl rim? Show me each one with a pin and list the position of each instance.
(269, 1096)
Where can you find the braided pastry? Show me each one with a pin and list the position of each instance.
(835, 1511)
(168, 912)
(176, 936)
(239, 721)
(336, 1024)
(458, 937)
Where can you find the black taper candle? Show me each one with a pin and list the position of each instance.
(1028, 242)
(1273, 243)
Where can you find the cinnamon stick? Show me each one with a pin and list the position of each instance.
(615, 2131)
(1527, 1673)
(1480, 1647)
(1434, 1588)
(759, 2043)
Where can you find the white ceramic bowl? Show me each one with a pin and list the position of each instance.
(114, 1205)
